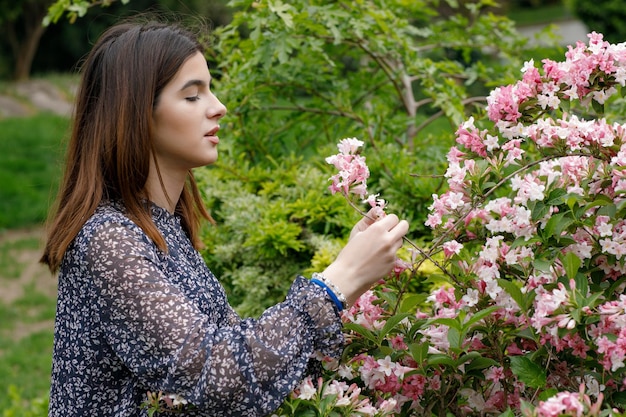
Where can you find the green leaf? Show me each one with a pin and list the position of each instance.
(327, 402)
(451, 323)
(616, 285)
(419, 351)
(547, 393)
(607, 209)
(527, 333)
(521, 241)
(582, 284)
(572, 263)
(528, 372)
(542, 265)
(508, 413)
(619, 398)
(479, 316)
(441, 359)
(557, 224)
(411, 301)
(556, 197)
(390, 297)
(480, 363)
(526, 408)
(539, 211)
(358, 329)
(281, 10)
(515, 292)
(469, 356)
(454, 337)
(597, 107)
(599, 201)
(391, 323)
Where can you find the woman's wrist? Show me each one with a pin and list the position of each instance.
(333, 291)
(345, 279)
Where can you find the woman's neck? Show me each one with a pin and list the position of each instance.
(165, 193)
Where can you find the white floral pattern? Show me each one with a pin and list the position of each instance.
(131, 319)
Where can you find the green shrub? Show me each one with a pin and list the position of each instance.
(606, 17)
(297, 77)
(271, 222)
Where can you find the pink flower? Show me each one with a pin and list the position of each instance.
(471, 137)
(503, 104)
(306, 390)
(353, 171)
(378, 203)
(495, 373)
(562, 403)
(365, 312)
(451, 247)
(349, 146)
(397, 342)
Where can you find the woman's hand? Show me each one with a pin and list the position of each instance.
(369, 255)
(366, 221)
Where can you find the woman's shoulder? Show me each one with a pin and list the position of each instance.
(108, 212)
(110, 217)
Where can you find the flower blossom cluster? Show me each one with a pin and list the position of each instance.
(341, 396)
(353, 173)
(533, 219)
(531, 233)
(567, 404)
(391, 383)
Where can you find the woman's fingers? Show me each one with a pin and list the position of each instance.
(366, 221)
(400, 229)
(369, 255)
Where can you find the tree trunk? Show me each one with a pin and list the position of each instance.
(24, 39)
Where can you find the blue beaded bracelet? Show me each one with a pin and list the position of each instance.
(330, 293)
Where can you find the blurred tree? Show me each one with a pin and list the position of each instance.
(65, 44)
(78, 8)
(21, 28)
(534, 3)
(606, 17)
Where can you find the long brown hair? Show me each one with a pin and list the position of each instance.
(109, 151)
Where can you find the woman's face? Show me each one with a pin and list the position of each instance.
(185, 119)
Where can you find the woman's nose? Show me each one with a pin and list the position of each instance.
(216, 108)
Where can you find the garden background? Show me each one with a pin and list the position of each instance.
(269, 191)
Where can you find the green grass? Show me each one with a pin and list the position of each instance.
(25, 361)
(9, 264)
(25, 367)
(31, 151)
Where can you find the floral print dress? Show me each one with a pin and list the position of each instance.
(132, 318)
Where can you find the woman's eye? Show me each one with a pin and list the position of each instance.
(193, 98)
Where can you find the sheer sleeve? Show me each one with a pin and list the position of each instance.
(245, 367)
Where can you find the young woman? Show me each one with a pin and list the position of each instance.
(138, 310)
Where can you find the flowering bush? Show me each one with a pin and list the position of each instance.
(525, 312)
(160, 402)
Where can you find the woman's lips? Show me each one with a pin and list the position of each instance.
(213, 139)
(212, 135)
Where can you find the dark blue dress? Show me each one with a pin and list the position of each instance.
(131, 319)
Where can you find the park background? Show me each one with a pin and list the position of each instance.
(35, 104)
